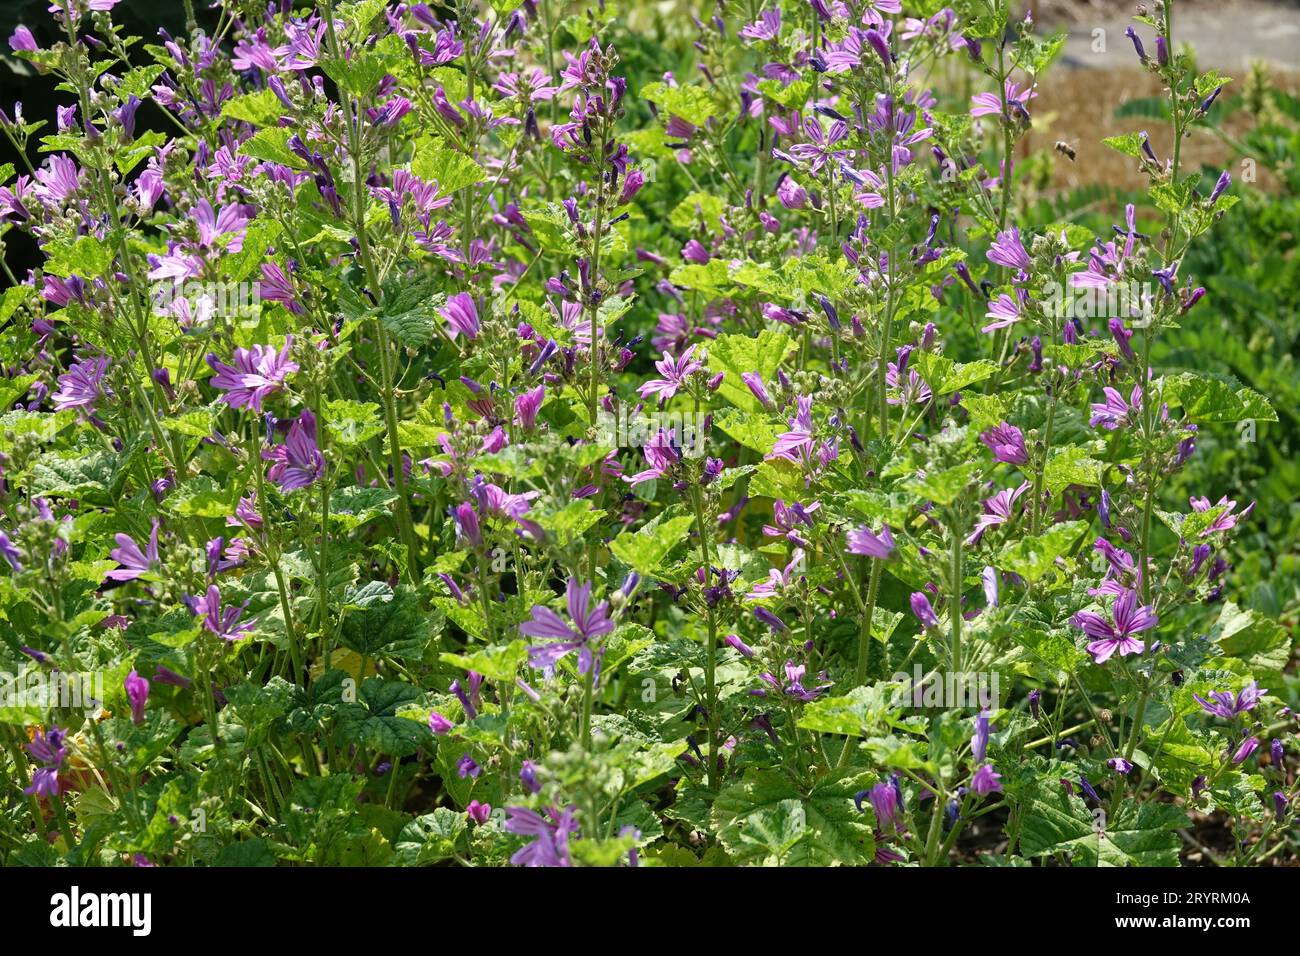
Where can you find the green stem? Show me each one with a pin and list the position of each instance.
(711, 653)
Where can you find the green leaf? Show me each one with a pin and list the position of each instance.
(261, 108)
(449, 169)
(86, 256)
(646, 549)
(355, 505)
(410, 310)
(1138, 834)
(430, 838)
(1130, 144)
(271, 145)
(246, 853)
(1031, 558)
(374, 724)
(1208, 399)
(499, 663)
(1071, 466)
(944, 487)
(863, 711)
(834, 832)
(696, 208)
(569, 523)
(351, 423)
(1263, 646)
(734, 355)
(711, 278)
(377, 616)
(691, 103)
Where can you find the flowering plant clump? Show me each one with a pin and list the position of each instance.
(536, 434)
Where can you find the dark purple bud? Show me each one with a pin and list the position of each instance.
(1146, 147)
(1209, 100)
(1137, 43)
(880, 46)
(1224, 182)
(832, 314)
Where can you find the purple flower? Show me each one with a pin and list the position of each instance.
(1247, 747)
(1222, 704)
(989, 578)
(985, 781)
(467, 525)
(878, 44)
(1277, 752)
(469, 701)
(979, 744)
(479, 813)
(22, 40)
(527, 406)
(1007, 443)
(1280, 803)
(1000, 509)
(1122, 337)
(82, 385)
(551, 844)
(631, 185)
(528, 775)
(1114, 412)
(1004, 311)
(257, 373)
(865, 541)
(988, 104)
(793, 684)
(1120, 765)
(1226, 520)
(1128, 619)
(661, 455)
(767, 27)
(225, 623)
(884, 801)
(1088, 789)
(791, 195)
(298, 461)
(923, 610)
(1137, 43)
(137, 692)
(734, 641)
(439, 724)
(47, 747)
(755, 383)
(133, 561)
(461, 315)
(587, 623)
(1007, 250)
(466, 767)
(9, 551)
(277, 287)
(1225, 180)
(674, 371)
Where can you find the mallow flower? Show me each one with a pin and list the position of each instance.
(585, 624)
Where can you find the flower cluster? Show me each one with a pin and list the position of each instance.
(429, 408)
